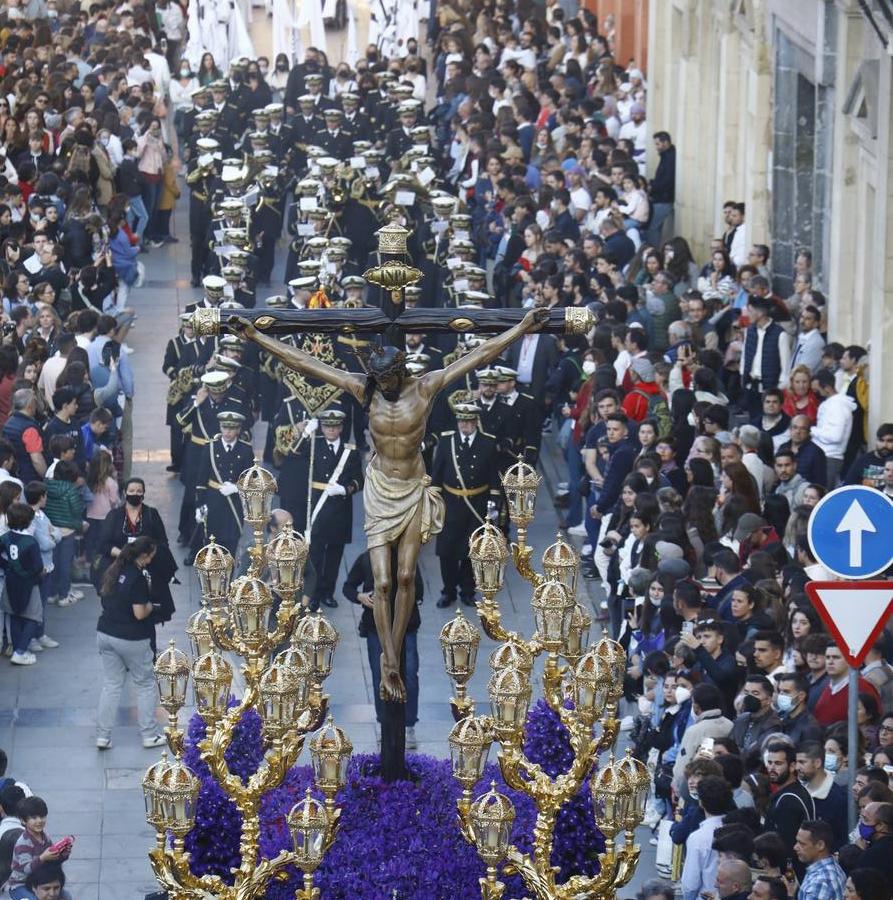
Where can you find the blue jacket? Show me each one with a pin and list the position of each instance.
(623, 456)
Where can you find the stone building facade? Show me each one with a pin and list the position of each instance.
(787, 105)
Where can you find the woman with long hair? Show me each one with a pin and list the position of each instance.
(278, 78)
(105, 497)
(736, 479)
(207, 70)
(700, 525)
(125, 638)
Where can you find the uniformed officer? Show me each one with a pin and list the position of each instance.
(493, 412)
(466, 467)
(523, 431)
(224, 458)
(198, 419)
(337, 142)
(181, 356)
(337, 476)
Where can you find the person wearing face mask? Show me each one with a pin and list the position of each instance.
(706, 707)
(757, 718)
(790, 701)
(876, 829)
(830, 798)
(122, 526)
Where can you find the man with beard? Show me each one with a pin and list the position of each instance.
(402, 510)
(791, 804)
(868, 468)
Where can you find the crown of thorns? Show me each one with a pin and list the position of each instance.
(383, 361)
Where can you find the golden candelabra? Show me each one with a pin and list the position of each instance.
(592, 680)
(239, 616)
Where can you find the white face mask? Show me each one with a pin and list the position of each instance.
(588, 366)
(683, 694)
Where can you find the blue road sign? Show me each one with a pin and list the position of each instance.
(851, 531)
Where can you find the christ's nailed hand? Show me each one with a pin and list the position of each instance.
(241, 326)
(535, 319)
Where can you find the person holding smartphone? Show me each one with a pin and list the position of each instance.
(34, 848)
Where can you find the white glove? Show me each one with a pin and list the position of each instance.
(200, 514)
(336, 490)
(228, 488)
(310, 427)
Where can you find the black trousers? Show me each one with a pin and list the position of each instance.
(457, 575)
(326, 559)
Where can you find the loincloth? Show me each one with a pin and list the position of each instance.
(391, 503)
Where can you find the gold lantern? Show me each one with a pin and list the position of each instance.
(286, 556)
(553, 607)
(177, 792)
(198, 630)
(520, 483)
(214, 567)
(459, 640)
(317, 638)
(636, 773)
(172, 676)
(212, 678)
(489, 554)
(614, 655)
(392, 239)
(512, 655)
(492, 816)
(330, 750)
(295, 659)
(256, 489)
(611, 794)
(592, 683)
(308, 823)
(509, 692)
(578, 637)
(280, 690)
(250, 609)
(151, 785)
(560, 563)
(470, 742)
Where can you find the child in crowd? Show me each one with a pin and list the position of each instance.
(47, 536)
(21, 561)
(33, 848)
(65, 509)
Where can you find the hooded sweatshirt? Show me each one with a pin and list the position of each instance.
(835, 422)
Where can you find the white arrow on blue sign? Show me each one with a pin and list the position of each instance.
(851, 531)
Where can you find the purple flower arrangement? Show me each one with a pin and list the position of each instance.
(396, 840)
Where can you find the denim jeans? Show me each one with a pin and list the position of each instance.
(151, 196)
(45, 586)
(411, 656)
(63, 557)
(22, 631)
(575, 471)
(139, 215)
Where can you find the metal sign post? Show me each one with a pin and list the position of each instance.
(848, 534)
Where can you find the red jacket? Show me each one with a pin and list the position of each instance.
(635, 403)
(831, 708)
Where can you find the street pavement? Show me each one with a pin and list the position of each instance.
(47, 711)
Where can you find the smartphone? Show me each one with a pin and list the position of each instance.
(688, 627)
(707, 745)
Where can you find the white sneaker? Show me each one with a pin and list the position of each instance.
(103, 743)
(35, 646)
(578, 530)
(586, 550)
(158, 741)
(53, 600)
(70, 600)
(74, 592)
(23, 659)
(411, 743)
(47, 642)
(626, 723)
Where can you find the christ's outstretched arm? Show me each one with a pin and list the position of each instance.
(299, 360)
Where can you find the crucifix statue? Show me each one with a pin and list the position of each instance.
(402, 510)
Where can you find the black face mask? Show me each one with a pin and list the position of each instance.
(282, 67)
(134, 499)
(751, 704)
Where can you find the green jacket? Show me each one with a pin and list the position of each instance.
(65, 504)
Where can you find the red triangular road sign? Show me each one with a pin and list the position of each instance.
(854, 611)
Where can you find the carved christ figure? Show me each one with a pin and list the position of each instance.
(402, 510)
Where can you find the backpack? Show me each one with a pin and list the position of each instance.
(658, 409)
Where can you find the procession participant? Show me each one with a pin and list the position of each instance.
(218, 505)
(466, 467)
